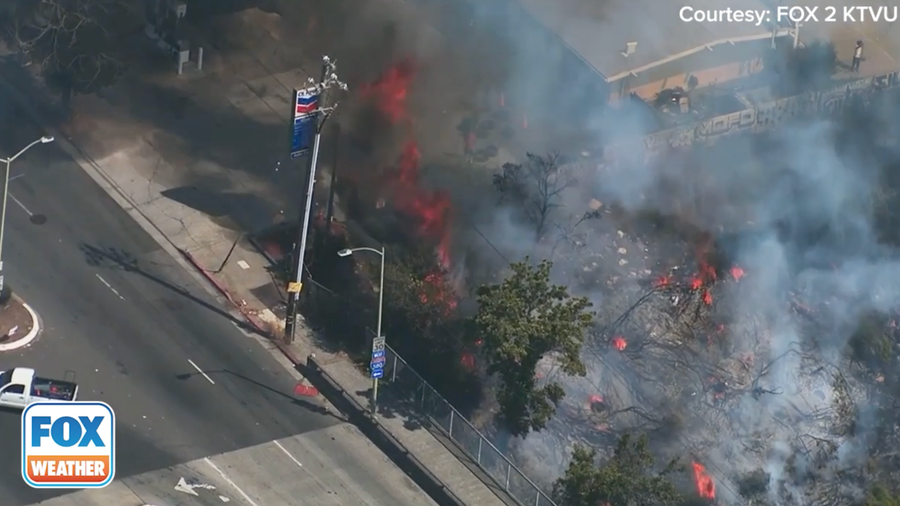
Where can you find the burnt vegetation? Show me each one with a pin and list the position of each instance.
(625, 342)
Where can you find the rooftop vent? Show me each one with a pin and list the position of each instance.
(630, 48)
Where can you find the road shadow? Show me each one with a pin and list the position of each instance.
(136, 454)
(307, 405)
(110, 257)
(232, 210)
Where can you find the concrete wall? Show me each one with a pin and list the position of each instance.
(757, 119)
(722, 64)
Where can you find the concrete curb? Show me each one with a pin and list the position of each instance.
(381, 437)
(31, 335)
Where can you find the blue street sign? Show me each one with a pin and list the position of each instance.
(305, 115)
(377, 373)
(301, 136)
(377, 354)
(376, 365)
(379, 360)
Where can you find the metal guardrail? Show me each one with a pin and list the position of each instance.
(406, 382)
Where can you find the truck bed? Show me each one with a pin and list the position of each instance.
(53, 389)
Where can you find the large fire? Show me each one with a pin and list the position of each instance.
(706, 487)
(389, 92)
(429, 209)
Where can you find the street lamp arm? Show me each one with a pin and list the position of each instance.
(7, 163)
(348, 252)
(42, 140)
(373, 250)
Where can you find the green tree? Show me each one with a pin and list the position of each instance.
(520, 321)
(881, 495)
(627, 479)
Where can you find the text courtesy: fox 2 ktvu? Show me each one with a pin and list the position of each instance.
(68, 445)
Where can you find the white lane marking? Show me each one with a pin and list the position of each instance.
(201, 372)
(30, 214)
(113, 290)
(225, 477)
(17, 176)
(288, 454)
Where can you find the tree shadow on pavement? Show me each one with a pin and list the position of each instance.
(309, 406)
(391, 405)
(236, 211)
(115, 258)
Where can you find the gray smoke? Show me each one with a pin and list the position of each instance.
(796, 207)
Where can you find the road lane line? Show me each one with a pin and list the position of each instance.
(201, 372)
(113, 290)
(288, 454)
(30, 214)
(225, 477)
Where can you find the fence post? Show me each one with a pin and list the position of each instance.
(480, 442)
(394, 373)
(508, 471)
(450, 430)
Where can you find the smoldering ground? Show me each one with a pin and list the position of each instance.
(747, 373)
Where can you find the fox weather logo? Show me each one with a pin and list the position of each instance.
(68, 445)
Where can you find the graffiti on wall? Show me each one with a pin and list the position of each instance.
(753, 120)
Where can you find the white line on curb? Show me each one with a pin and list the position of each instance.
(288, 454)
(30, 336)
(109, 286)
(225, 477)
(201, 372)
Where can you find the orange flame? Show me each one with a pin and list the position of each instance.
(595, 399)
(737, 273)
(696, 283)
(706, 487)
(662, 281)
(468, 361)
(389, 92)
(619, 343)
(707, 298)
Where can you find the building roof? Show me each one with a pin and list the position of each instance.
(599, 30)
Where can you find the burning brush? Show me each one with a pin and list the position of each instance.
(430, 210)
(706, 487)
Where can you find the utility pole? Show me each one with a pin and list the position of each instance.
(328, 80)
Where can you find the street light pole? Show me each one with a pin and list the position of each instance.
(8, 162)
(378, 336)
(329, 79)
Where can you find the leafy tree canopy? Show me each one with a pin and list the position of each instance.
(881, 495)
(520, 321)
(627, 479)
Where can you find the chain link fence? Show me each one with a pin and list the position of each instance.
(405, 383)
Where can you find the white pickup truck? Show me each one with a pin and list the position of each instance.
(21, 386)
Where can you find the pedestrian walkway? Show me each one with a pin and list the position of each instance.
(322, 468)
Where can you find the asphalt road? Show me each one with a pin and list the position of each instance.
(132, 324)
